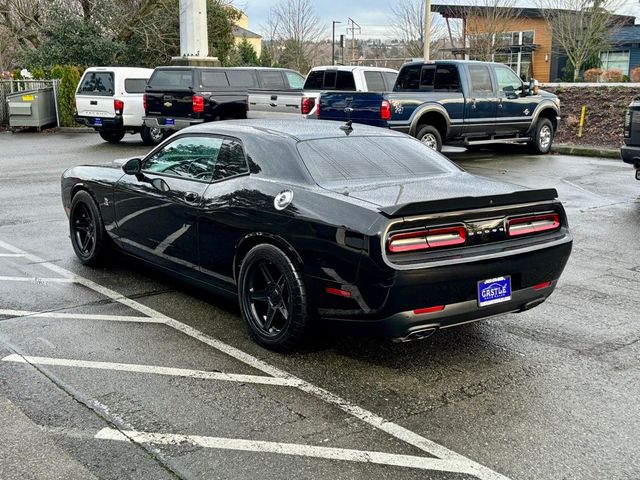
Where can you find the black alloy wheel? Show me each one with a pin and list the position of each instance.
(273, 298)
(88, 236)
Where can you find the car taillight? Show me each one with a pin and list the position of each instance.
(427, 239)
(118, 106)
(306, 105)
(144, 101)
(385, 110)
(198, 104)
(519, 226)
(627, 123)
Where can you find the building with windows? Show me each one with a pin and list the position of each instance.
(524, 41)
(241, 30)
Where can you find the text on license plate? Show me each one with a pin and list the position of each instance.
(494, 290)
(169, 121)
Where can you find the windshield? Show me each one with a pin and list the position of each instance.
(333, 161)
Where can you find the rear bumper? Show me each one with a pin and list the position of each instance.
(113, 123)
(179, 123)
(631, 154)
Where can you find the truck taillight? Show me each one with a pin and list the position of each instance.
(118, 106)
(306, 105)
(144, 102)
(519, 226)
(198, 104)
(627, 123)
(427, 239)
(385, 110)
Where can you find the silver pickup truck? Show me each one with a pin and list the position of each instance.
(275, 91)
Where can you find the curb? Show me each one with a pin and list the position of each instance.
(74, 130)
(599, 152)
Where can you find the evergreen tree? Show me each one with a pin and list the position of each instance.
(247, 53)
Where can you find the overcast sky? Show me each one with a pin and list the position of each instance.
(372, 15)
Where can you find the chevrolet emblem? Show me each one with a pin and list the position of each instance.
(168, 104)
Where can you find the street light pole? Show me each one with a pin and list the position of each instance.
(427, 30)
(333, 42)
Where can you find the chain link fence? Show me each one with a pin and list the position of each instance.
(11, 86)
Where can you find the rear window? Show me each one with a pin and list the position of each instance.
(330, 80)
(375, 82)
(390, 79)
(242, 78)
(97, 83)
(211, 78)
(314, 80)
(135, 85)
(363, 159)
(172, 78)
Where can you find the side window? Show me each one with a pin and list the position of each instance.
(508, 81)
(97, 83)
(375, 82)
(390, 79)
(187, 157)
(314, 80)
(447, 79)
(409, 78)
(134, 85)
(345, 81)
(231, 160)
(296, 81)
(242, 78)
(480, 79)
(214, 79)
(271, 80)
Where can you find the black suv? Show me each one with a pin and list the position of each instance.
(630, 152)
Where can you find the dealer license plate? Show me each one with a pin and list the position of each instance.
(169, 121)
(494, 290)
(97, 122)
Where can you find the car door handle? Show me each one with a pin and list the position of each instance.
(93, 102)
(273, 104)
(473, 103)
(191, 197)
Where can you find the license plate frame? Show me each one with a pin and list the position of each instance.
(97, 122)
(494, 290)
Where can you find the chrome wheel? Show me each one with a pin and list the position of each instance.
(430, 140)
(269, 298)
(544, 137)
(156, 134)
(83, 227)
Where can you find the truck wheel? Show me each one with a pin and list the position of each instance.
(542, 138)
(112, 136)
(152, 135)
(430, 136)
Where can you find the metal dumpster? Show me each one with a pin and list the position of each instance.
(32, 108)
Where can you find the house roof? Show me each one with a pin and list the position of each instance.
(243, 32)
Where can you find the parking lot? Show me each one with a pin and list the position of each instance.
(122, 372)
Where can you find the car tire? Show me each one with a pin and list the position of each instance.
(152, 135)
(112, 136)
(430, 136)
(542, 137)
(89, 238)
(273, 299)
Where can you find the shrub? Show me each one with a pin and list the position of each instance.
(613, 75)
(635, 74)
(592, 75)
(69, 76)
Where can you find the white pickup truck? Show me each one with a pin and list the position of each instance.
(110, 100)
(343, 78)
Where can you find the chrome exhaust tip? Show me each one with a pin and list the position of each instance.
(419, 334)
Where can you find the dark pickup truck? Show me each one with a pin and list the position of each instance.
(630, 151)
(177, 97)
(454, 102)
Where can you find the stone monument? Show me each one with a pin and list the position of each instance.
(194, 41)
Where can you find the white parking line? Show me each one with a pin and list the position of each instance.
(363, 456)
(11, 255)
(36, 279)
(462, 463)
(170, 371)
(80, 316)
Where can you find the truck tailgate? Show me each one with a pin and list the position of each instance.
(176, 102)
(360, 107)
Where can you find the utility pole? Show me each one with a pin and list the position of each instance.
(333, 42)
(354, 28)
(427, 30)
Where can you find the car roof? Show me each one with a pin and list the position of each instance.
(295, 130)
(351, 68)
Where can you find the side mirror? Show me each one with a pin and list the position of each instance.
(133, 166)
(533, 87)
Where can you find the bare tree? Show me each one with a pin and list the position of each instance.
(485, 25)
(272, 42)
(407, 24)
(297, 29)
(581, 28)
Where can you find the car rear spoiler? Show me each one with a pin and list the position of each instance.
(469, 203)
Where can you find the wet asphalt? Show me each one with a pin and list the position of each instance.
(551, 393)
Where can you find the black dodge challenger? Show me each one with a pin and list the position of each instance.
(320, 222)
